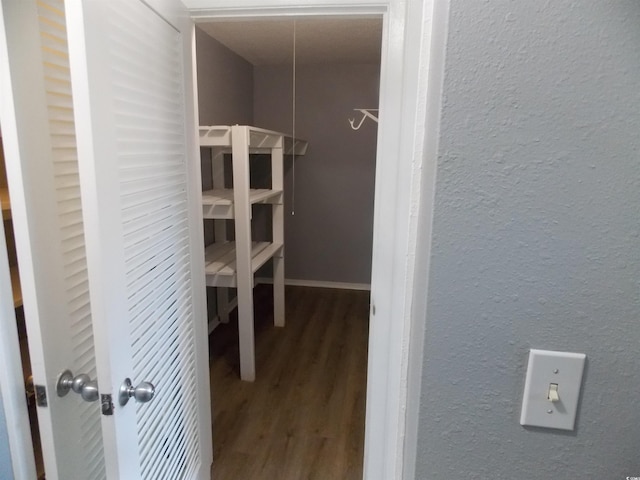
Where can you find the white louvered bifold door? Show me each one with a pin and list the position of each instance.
(42, 167)
(131, 65)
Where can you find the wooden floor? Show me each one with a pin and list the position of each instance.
(303, 417)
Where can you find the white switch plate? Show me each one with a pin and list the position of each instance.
(546, 368)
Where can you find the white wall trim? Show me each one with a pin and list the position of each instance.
(300, 282)
(399, 206)
(431, 81)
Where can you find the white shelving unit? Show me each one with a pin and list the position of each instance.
(234, 263)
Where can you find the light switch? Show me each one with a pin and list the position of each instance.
(552, 389)
(553, 393)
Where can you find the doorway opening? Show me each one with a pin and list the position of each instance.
(305, 409)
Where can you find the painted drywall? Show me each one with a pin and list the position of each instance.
(225, 84)
(536, 239)
(6, 469)
(329, 238)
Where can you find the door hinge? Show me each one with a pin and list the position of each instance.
(30, 389)
(41, 396)
(37, 392)
(107, 404)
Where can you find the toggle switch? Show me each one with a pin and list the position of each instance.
(553, 392)
(552, 389)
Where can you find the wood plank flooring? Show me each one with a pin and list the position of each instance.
(303, 417)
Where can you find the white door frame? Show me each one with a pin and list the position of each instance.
(410, 91)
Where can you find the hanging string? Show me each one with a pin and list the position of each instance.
(293, 116)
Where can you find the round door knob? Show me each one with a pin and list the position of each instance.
(89, 391)
(143, 393)
(79, 381)
(81, 384)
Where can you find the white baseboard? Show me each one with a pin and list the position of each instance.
(319, 284)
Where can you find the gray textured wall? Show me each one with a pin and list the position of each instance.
(536, 239)
(330, 236)
(6, 470)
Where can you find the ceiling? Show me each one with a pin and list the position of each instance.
(317, 41)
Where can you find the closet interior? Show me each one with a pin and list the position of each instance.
(288, 112)
(269, 91)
